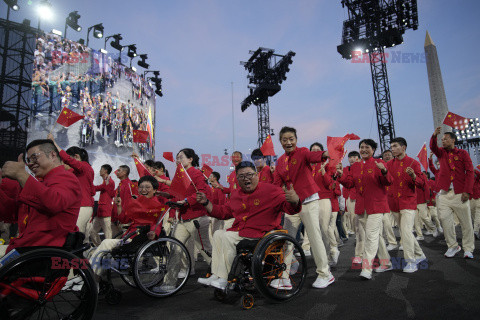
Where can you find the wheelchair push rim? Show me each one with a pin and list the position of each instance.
(274, 262)
(47, 284)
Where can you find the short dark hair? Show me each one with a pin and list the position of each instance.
(369, 142)
(45, 145)
(126, 168)
(107, 167)
(158, 165)
(216, 175)
(452, 135)
(241, 154)
(401, 141)
(257, 153)
(318, 144)
(354, 154)
(190, 154)
(245, 164)
(77, 150)
(387, 150)
(149, 162)
(285, 130)
(150, 179)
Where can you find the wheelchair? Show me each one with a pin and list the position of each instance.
(149, 265)
(259, 262)
(48, 283)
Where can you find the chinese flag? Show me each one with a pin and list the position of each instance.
(423, 158)
(335, 148)
(140, 136)
(207, 171)
(267, 147)
(142, 171)
(180, 183)
(455, 121)
(168, 156)
(67, 117)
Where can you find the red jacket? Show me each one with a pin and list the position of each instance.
(46, 211)
(423, 193)
(217, 196)
(256, 213)
(322, 183)
(335, 193)
(455, 166)
(265, 175)
(402, 188)
(433, 193)
(143, 211)
(125, 190)
(432, 168)
(195, 209)
(164, 188)
(294, 168)
(476, 185)
(12, 190)
(348, 192)
(369, 183)
(232, 183)
(85, 175)
(107, 192)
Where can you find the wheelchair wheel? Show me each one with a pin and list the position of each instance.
(47, 284)
(277, 273)
(157, 265)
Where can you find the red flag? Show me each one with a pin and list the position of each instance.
(267, 147)
(335, 148)
(180, 183)
(168, 156)
(455, 121)
(140, 136)
(422, 156)
(67, 117)
(142, 170)
(207, 171)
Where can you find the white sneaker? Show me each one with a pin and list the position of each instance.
(321, 283)
(391, 247)
(281, 283)
(400, 248)
(419, 238)
(419, 259)
(207, 281)
(219, 283)
(307, 253)
(451, 252)
(435, 233)
(468, 255)
(294, 266)
(411, 267)
(74, 284)
(366, 275)
(335, 256)
(427, 233)
(357, 260)
(183, 273)
(383, 269)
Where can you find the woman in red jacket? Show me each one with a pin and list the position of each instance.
(75, 159)
(370, 178)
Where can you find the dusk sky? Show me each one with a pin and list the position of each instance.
(198, 45)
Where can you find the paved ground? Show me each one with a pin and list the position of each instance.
(447, 289)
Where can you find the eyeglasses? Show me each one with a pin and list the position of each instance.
(33, 158)
(246, 176)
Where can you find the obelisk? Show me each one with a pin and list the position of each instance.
(437, 91)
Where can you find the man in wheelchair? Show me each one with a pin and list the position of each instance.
(47, 205)
(141, 212)
(257, 209)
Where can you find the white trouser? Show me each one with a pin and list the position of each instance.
(411, 249)
(374, 243)
(101, 223)
(84, 215)
(388, 230)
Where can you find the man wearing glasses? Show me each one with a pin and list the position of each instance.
(257, 208)
(48, 204)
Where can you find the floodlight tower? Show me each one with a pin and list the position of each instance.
(371, 27)
(266, 71)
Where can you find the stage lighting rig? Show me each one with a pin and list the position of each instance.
(115, 43)
(44, 10)
(266, 71)
(132, 51)
(143, 63)
(157, 81)
(12, 4)
(72, 22)
(97, 31)
(371, 27)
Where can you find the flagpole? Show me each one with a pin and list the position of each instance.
(189, 177)
(233, 121)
